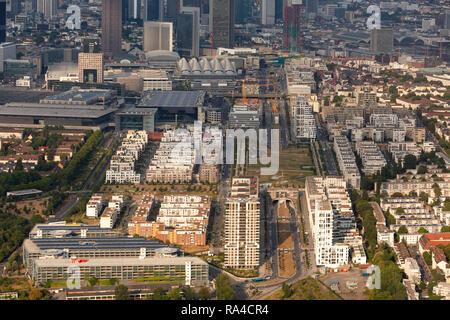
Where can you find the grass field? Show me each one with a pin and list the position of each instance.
(295, 164)
(306, 289)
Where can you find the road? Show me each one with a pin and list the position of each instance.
(89, 183)
(223, 189)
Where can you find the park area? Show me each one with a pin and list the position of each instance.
(295, 164)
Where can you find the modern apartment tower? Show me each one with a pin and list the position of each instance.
(221, 23)
(304, 122)
(188, 25)
(158, 36)
(112, 27)
(242, 224)
(2, 21)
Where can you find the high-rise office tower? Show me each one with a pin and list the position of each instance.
(158, 36)
(268, 12)
(243, 11)
(125, 10)
(13, 6)
(153, 10)
(47, 8)
(382, 40)
(279, 10)
(221, 22)
(112, 27)
(2, 21)
(134, 9)
(173, 9)
(312, 6)
(90, 67)
(242, 224)
(188, 26)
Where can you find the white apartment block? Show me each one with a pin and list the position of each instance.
(108, 218)
(333, 222)
(242, 225)
(184, 210)
(412, 270)
(422, 183)
(94, 206)
(381, 120)
(304, 122)
(116, 202)
(400, 149)
(122, 164)
(347, 162)
(174, 160)
(372, 158)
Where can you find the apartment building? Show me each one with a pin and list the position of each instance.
(372, 158)
(182, 220)
(421, 183)
(122, 164)
(242, 224)
(94, 206)
(399, 150)
(333, 222)
(174, 160)
(208, 173)
(304, 122)
(108, 218)
(244, 117)
(347, 162)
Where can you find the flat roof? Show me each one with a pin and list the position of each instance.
(172, 99)
(119, 262)
(23, 192)
(51, 110)
(84, 95)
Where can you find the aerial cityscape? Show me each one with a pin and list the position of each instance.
(249, 150)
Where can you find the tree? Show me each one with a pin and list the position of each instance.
(189, 293)
(121, 292)
(159, 294)
(174, 294)
(400, 210)
(203, 293)
(224, 290)
(423, 197)
(410, 161)
(35, 294)
(437, 190)
(445, 229)
(422, 170)
(427, 258)
(402, 230)
(422, 230)
(287, 291)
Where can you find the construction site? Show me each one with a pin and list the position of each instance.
(286, 264)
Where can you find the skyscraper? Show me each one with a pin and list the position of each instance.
(2, 21)
(153, 10)
(243, 11)
(382, 40)
(268, 12)
(312, 6)
(47, 8)
(242, 224)
(125, 10)
(134, 9)
(112, 27)
(90, 67)
(279, 9)
(173, 8)
(221, 23)
(188, 25)
(158, 36)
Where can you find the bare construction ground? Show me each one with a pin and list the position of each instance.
(351, 284)
(286, 264)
